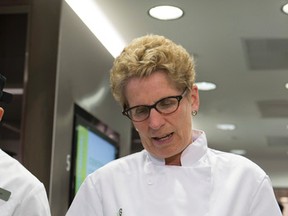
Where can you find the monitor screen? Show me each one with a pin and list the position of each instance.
(94, 145)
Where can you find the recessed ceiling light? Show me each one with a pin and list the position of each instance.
(14, 91)
(205, 86)
(286, 85)
(285, 8)
(166, 12)
(226, 126)
(238, 151)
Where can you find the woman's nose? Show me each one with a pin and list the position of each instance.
(155, 119)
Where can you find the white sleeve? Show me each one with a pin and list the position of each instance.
(264, 202)
(35, 203)
(87, 201)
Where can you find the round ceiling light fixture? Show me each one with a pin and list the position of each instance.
(227, 127)
(238, 151)
(166, 12)
(285, 8)
(205, 86)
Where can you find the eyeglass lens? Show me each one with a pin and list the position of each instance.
(166, 105)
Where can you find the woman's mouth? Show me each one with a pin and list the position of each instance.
(164, 138)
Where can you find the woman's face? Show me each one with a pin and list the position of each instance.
(164, 136)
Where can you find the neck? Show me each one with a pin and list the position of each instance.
(175, 160)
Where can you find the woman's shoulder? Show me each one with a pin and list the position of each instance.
(123, 165)
(234, 163)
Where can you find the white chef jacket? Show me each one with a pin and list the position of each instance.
(28, 196)
(209, 182)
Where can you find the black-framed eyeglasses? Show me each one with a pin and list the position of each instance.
(164, 106)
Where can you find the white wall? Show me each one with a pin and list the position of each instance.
(82, 77)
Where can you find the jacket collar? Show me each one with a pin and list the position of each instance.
(191, 155)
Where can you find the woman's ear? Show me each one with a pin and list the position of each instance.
(195, 100)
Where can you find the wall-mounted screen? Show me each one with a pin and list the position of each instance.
(94, 145)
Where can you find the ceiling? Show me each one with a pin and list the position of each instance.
(241, 46)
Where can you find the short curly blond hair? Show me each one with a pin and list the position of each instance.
(147, 54)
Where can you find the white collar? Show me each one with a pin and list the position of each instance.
(191, 154)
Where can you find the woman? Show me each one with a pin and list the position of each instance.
(176, 173)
